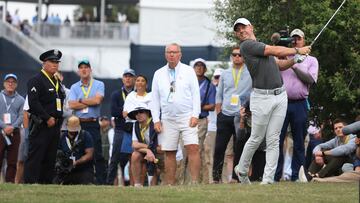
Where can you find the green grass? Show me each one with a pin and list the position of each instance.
(282, 192)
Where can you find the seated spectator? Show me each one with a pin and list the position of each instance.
(75, 154)
(144, 143)
(315, 139)
(333, 154)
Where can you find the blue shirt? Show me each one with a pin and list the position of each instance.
(84, 142)
(226, 89)
(77, 93)
(210, 97)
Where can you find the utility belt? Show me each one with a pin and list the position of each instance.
(275, 91)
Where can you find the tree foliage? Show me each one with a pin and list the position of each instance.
(337, 49)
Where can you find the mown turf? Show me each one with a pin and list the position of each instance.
(282, 192)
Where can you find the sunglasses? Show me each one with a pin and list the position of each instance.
(236, 54)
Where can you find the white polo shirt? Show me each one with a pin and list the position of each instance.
(186, 99)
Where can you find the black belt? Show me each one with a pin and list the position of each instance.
(295, 100)
(201, 117)
(87, 119)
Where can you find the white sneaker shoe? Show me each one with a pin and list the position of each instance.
(243, 178)
(302, 175)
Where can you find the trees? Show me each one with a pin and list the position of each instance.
(337, 49)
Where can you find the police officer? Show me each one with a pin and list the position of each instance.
(46, 96)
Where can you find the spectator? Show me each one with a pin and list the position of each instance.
(11, 105)
(333, 154)
(175, 93)
(105, 127)
(117, 106)
(315, 139)
(207, 98)
(233, 91)
(85, 99)
(297, 81)
(75, 154)
(134, 99)
(145, 144)
(16, 21)
(209, 141)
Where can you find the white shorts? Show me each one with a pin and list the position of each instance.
(173, 129)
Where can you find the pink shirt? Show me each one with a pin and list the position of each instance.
(295, 88)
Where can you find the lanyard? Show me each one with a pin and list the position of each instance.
(172, 75)
(8, 106)
(236, 78)
(143, 129)
(51, 81)
(123, 94)
(68, 141)
(86, 93)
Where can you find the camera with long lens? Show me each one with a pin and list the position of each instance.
(282, 38)
(63, 164)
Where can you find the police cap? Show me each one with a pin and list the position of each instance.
(51, 55)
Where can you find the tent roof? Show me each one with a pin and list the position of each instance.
(78, 2)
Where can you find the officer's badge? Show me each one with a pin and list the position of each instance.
(33, 89)
(56, 52)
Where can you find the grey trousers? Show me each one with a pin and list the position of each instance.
(268, 114)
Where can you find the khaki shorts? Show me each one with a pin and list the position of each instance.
(173, 130)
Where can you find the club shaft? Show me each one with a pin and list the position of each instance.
(337, 10)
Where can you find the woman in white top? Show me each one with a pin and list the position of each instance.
(138, 96)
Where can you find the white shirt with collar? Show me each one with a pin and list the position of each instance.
(186, 99)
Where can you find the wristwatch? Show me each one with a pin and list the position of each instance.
(323, 153)
(297, 50)
(80, 100)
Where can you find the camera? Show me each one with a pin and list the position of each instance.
(282, 38)
(63, 164)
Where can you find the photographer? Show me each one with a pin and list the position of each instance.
(75, 154)
(333, 154)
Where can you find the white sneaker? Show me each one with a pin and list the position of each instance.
(243, 178)
(302, 175)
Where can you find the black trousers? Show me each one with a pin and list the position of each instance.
(40, 163)
(225, 129)
(83, 177)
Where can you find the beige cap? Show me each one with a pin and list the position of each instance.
(297, 32)
(73, 124)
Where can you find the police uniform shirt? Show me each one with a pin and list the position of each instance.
(42, 96)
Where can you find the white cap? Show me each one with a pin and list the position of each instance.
(243, 21)
(313, 129)
(297, 32)
(199, 60)
(218, 71)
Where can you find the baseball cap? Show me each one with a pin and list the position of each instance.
(85, 62)
(129, 71)
(243, 21)
(73, 124)
(218, 71)
(10, 75)
(199, 60)
(297, 32)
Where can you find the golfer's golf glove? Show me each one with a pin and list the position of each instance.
(298, 58)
